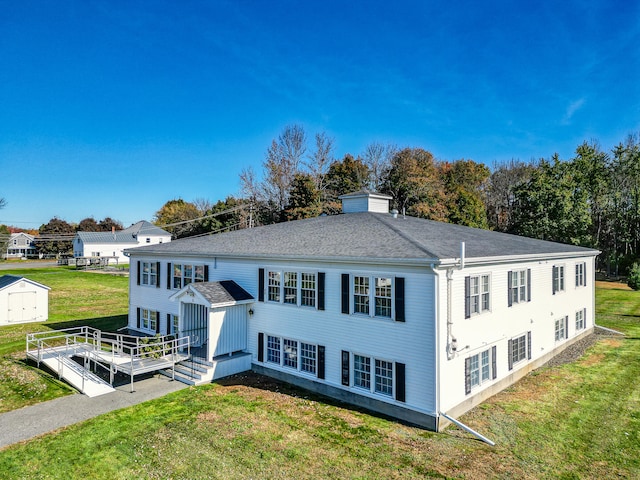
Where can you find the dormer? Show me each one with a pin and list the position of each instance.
(365, 201)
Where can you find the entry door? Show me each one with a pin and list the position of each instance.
(194, 324)
(22, 306)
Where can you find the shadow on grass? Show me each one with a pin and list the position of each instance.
(262, 382)
(108, 324)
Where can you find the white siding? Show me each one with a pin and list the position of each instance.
(227, 330)
(502, 323)
(410, 342)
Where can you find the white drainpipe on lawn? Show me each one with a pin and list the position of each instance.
(468, 429)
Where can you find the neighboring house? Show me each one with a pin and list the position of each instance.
(22, 300)
(21, 245)
(405, 316)
(112, 244)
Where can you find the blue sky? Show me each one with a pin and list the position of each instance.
(112, 108)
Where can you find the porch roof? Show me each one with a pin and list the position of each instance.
(217, 294)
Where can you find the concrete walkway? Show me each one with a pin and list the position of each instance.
(28, 422)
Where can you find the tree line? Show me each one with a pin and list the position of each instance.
(591, 199)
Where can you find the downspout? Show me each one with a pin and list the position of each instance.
(437, 342)
(468, 429)
(452, 342)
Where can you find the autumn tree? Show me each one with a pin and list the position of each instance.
(415, 183)
(88, 224)
(58, 237)
(107, 224)
(176, 216)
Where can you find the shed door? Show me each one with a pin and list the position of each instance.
(22, 306)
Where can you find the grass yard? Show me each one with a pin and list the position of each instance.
(580, 420)
(76, 298)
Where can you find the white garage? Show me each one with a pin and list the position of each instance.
(22, 300)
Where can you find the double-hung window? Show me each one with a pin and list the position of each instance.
(149, 319)
(558, 278)
(561, 325)
(519, 286)
(149, 273)
(519, 349)
(293, 354)
(477, 294)
(380, 295)
(580, 319)
(292, 287)
(581, 274)
(479, 368)
(382, 370)
(184, 274)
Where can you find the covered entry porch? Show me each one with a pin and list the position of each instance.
(213, 315)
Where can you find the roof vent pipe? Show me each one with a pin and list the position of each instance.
(462, 253)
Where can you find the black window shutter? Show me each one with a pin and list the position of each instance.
(169, 276)
(139, 315)
(509, 287)
(345, 293)
(510, 353)
(157, 322)
(584, 317)
(399, 299)
(321, 291)
(528, 284)
(206, 273)
(494, 363)
(584, 273)
(566, 326)
(261, 347)
(400, 382)
(529, 345)
(139, 270)
(554, 279)
(467, 297)
(261, 285)
(157, 274)
(345, 368)
(467, 375)
(321, 362)
(169, 324)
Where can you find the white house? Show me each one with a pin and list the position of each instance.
(21, 245)
(405, 316)
(112, 244)
(22, 300)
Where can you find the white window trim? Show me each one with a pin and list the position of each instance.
(481, 309)
(299, 289)
(559, 285)
(481, 379)
(562, 330)
(581, 313)
(524, 357)
(518, 286)
(299, 357)
(151, 265)
(192, 278)
(581, 274)
(372, 375)
(146, 320)
(372, 295)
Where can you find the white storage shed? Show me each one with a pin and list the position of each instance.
(22, 300)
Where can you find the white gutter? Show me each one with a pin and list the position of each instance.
(468, 429)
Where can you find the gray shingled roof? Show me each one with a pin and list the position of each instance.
(224, 292)
(145, 228)
(367, 236)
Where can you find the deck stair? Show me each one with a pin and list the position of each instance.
(113, 352)
(194, 371)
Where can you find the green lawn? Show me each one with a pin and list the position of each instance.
(76, 298)
(576, 421)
